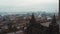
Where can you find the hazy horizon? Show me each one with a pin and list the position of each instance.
(29, 5)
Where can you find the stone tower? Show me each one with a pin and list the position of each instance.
(54, 27)
(33, 27)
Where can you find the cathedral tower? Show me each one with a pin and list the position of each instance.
(54, 27)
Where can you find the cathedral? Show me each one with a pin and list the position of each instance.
(36, 28)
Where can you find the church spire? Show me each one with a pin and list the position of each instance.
(33, 20)
(54, 27)
(54, 19)
(31, 24)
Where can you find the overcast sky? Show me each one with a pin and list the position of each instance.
(28, 5)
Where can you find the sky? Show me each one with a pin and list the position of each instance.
(29, 5)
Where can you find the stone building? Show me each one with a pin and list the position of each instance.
(36, 28)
